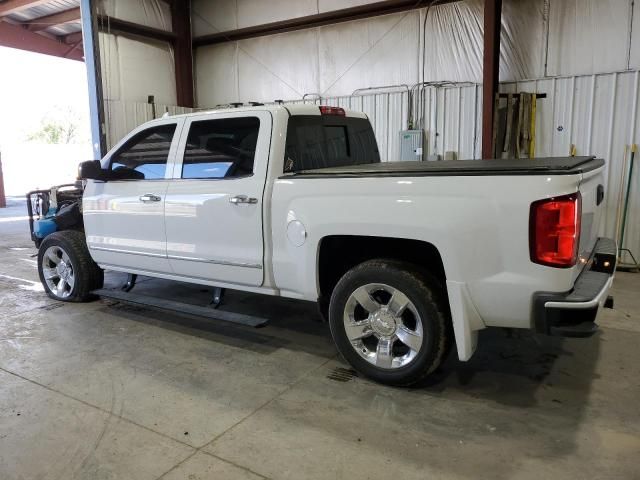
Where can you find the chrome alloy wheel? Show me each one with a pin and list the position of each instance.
(383, 325)
(58, 271)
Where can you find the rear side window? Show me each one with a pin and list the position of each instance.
(144, 157)
(223, 148)
(321, 141)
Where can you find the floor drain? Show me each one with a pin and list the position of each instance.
(340, 374)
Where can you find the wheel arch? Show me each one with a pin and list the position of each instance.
(337, 254)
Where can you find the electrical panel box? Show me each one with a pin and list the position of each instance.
(411, 145)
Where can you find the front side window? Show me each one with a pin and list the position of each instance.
(222, 148)
(144, 157)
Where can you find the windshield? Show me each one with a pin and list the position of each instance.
(321, 141)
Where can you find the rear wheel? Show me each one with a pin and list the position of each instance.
(389, 321)
(66, 269)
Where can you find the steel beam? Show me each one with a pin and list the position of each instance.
(13, 6)
(72, 38)
(15, 36)
(59, 18)
(325, 18)
(490, 72)
(183, 52)
(123, 27)
(94, 77)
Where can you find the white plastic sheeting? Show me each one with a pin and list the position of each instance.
(338, 59)
(454, 40)
(133, 69)
(213, 16)
(587, 36)
(151, 13)
(368, 53)
(288, 65)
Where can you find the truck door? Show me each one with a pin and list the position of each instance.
(123, 217)
(213, 212)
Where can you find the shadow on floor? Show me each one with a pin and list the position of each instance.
(534, 386)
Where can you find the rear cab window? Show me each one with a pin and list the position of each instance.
(322, 141)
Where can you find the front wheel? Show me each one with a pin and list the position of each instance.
(389, 321)
(66, 269)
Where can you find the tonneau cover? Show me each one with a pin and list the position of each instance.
(514, 166)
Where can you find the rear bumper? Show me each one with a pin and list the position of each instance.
(573, 313)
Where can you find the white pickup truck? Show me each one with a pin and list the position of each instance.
(404, 258)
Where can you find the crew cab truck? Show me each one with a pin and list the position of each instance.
(405, 259)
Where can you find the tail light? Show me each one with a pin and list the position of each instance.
(326, 110)
(554, 230)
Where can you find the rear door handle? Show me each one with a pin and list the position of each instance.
(149, 197)
(238, 199)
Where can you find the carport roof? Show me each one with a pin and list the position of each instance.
(51, 27)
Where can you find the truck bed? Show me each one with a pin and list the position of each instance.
(515, 166)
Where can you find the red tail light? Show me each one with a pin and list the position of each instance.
(326, 110)
(554, 231)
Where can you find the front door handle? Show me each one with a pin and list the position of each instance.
(149, 197)
(238, 199)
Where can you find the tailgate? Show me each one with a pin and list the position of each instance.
(592, 191)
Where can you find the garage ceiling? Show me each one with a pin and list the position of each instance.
(50, 27)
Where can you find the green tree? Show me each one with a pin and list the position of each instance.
(60, 126)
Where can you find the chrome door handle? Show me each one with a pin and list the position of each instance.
(242, 199)
(149, 197)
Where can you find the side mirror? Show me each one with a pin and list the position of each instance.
(91, 170)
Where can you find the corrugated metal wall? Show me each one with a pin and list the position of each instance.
(450, 116)
(598, 114)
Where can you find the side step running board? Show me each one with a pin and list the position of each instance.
(184, 308)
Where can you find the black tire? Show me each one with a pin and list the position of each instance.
(426, 295)
(86, 273)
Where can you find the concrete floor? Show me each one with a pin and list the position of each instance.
(103, 390)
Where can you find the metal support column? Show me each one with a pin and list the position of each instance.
(94, 77)
(490, 75)
(183, 51)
